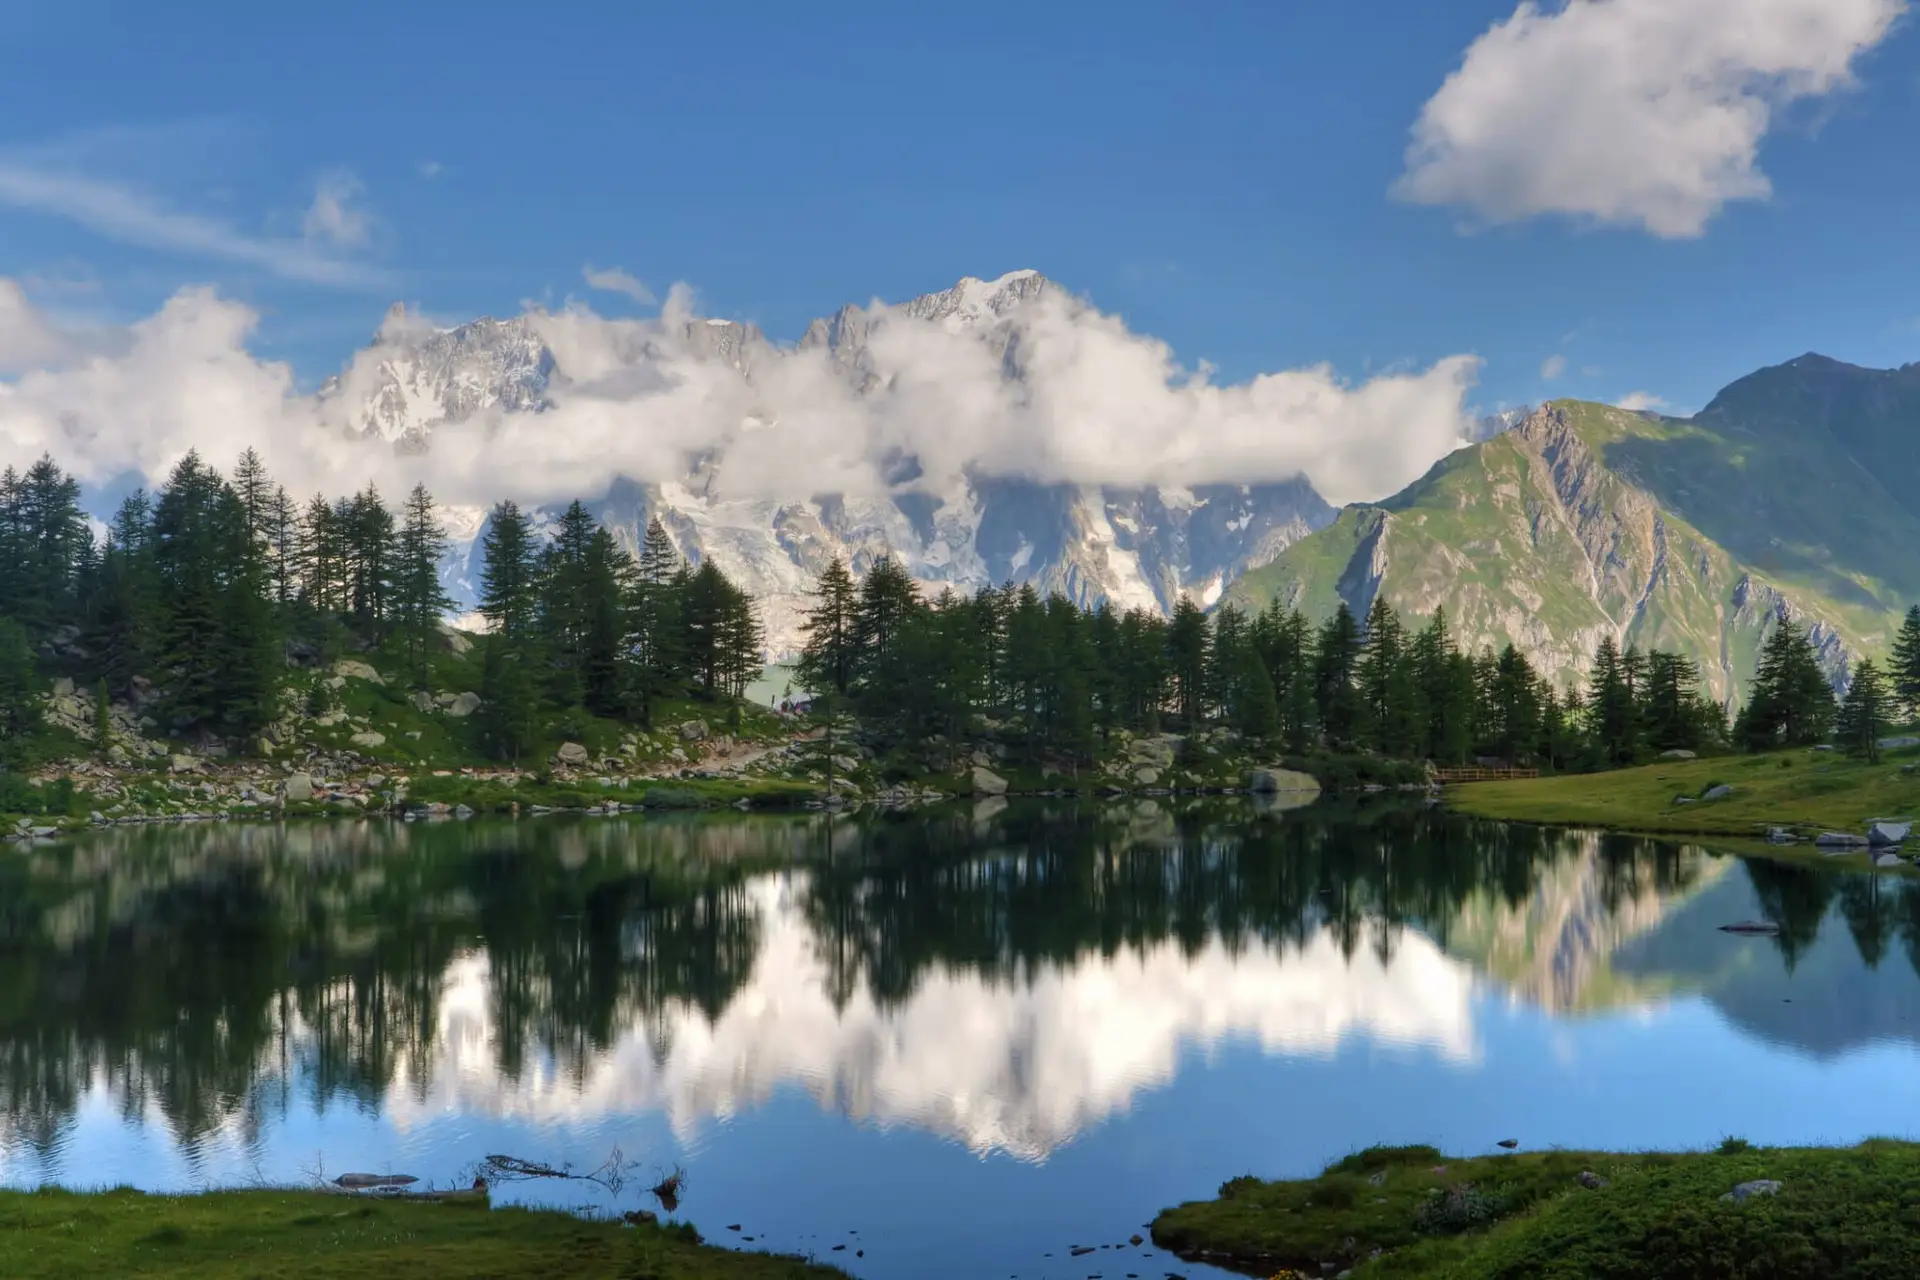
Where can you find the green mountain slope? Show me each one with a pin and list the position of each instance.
(1586, 521)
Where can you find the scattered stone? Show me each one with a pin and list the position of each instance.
(424, 701)
(1886, 831)
(1683, 799)
(1146, 775)
(572, 753)
(1759, 928)
(182, 764)
(1747, 1190)
(368, 738)
(298, 787)
(693, 731)
(1780, 835)
(1678, 753)
(446, 699)
(1592, 1181)
(464, 705)
(988, 783)
(1720, 792)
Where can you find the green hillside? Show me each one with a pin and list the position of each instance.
(1693, 535)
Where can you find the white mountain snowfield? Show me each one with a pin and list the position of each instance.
(958, 520)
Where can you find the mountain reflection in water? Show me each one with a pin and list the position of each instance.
(1006, 979)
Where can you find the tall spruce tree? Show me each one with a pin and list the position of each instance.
(1903, 671)
(1863, 715)
(1792, 703)
(419, 599)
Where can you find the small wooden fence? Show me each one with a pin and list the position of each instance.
(1479, 773)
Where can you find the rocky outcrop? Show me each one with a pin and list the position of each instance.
(1273, 781)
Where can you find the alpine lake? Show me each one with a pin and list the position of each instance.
(953, 1042)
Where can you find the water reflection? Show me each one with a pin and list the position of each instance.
(1006, 978)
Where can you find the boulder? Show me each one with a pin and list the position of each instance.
(182, 764)
(1591, 1180)
(988, 783)
(1273, 781)
(368, 738)
(464, 705)
(1780, 835)
(1679, 753)
(1157, 752)
(423, 701)
(1720, 792)
(353, 669)
(63, 687)
(1146, 775)
(1748, 1190)
(446, 699)
(1839, 840)
(572, 753)
(693, 731)
(1886, 831)
(298, 787)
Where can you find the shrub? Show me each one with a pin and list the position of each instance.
(1459, 1208)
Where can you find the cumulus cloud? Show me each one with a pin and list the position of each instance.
(1629, 112)
(1093, 403)
(1640, 402)
(615, 280)
(1552, 367)
(336, 216)
(130, 216)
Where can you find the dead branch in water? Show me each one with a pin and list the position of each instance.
(613, 1174)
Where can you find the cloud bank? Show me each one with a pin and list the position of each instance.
(1641, 113)
(1088, 402)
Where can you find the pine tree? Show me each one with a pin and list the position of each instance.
(1792, 704)
(1337, 655)
(1256, 709)
(102, 720)
(1187, 645)
(507, 572)
(508, 704)
(828, 653)
(20, 716)
(1612, 714)
(1903, 672)
(1863, 716)
(419, 601)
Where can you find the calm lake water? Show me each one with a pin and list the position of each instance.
(960, 1041)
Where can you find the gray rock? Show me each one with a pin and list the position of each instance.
(446, 699)
(1840, 840)
(988, 783)
(368, 738)
(354, 670)
(1899, 743)
(424, 701)
(1748, 1190)
(571, 753)
(464, 705)
(1720, 792)
(182, 764)
(1683, 799)
(1886, 831)
(1592, 1181)
(1146, 775)
(693, 731)
(1274, 781)
(298, 787)
(462, 811)
(1678, 753)
(1780, 835)
(63, 687)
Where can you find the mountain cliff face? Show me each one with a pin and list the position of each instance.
(1560, 532)
(1131, 547)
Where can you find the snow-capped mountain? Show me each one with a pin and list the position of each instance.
(1135, 546)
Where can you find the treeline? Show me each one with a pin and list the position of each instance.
(1065, 678)
(200, 597)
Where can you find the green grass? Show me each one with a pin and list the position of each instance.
(286, 1234)
(1807, 791)
(1841, 1214)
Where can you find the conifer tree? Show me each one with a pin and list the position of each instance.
(1337, 655)
(1256, 709)
(827, 655)
(507, 597)
(1863, 715)
(1903, 672)
(20, 690)
(1187, 645)
(1792, 704)
(419, 600)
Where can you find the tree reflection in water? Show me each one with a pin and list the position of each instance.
(219, 975)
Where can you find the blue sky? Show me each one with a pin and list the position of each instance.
(1223, 176)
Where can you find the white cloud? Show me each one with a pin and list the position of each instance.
(336, 216)
(123, 214)
(1552, 367)
(1640, 402)
(1095, 404)
(615, 280)
(1629, 112)
(431, 169)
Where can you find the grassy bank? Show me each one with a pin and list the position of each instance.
(1838, 1214)
(285, 1234)
(1804, 791)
